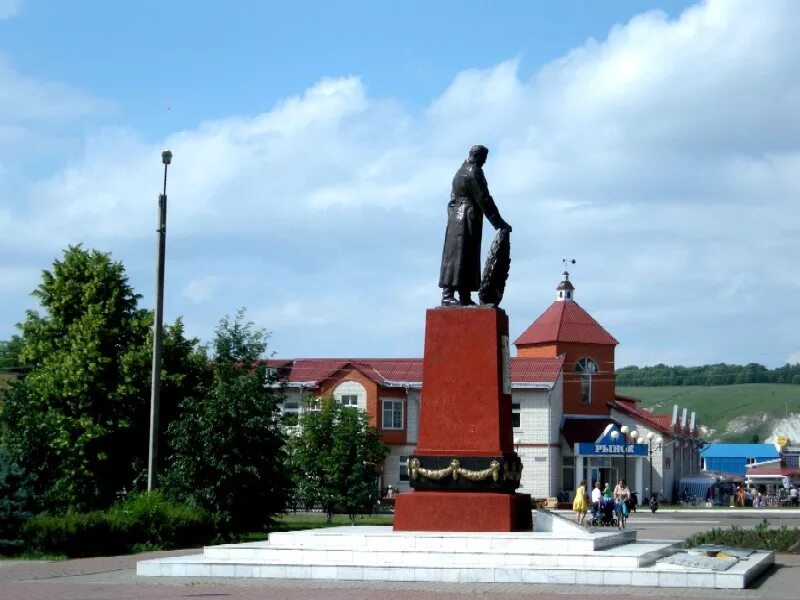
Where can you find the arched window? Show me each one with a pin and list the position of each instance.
(587, 368)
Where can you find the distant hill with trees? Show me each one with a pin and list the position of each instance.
(661, 375)
(730, 413)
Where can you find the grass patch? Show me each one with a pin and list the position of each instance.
(33, 556)
(760, 537)
(298, 522)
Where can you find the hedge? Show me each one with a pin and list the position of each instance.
(761, 537)
(142, 522)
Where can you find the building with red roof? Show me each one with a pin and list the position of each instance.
(565, 409)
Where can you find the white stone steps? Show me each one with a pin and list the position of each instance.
(737, 577)
(558, 552)
(382, 538)
(627, 556)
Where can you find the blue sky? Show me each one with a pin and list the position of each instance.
(654, 142)
(171, 65)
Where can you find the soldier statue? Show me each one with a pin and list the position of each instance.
(469, 202)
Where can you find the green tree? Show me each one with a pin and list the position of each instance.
(228, 446)
(333, 459)
(9, 354)
(15, 502)
(78, 419)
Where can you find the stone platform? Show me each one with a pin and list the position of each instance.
(557, 552)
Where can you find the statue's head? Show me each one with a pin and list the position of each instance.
(478, 154)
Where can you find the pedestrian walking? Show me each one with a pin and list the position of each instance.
(579, 504)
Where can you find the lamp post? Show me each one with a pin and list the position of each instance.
(625, 433)
(158, 319)
(659, 440)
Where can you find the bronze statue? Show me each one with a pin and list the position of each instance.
(461, 258)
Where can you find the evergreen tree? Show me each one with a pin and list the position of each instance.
(15, 503)
(228, 445)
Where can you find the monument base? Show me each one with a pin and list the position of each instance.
(558, 552)
(462, 511)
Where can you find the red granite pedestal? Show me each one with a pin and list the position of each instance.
(465, 415)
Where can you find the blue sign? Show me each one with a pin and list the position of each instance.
(612, 449)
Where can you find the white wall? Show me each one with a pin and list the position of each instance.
(412, 427)
(391, 467)
(351, 387)
(540, 422)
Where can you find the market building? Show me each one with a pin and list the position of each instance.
(569, 423)
(735, 458)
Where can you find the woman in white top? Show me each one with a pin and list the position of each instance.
(597, 494)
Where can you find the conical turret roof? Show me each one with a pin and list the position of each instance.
(565, 322)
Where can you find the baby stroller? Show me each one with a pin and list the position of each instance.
(603, 513)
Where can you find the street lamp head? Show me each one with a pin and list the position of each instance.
(166, 157)
(659, 440)
(634, 434)
(624, 429)
(650, 435)
(614, 435)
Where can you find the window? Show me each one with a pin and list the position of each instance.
(403, 468)
(667, 463)
(291, 412)
(587, 368)
(392, 414)
(349, 400)
(568, 473)
(351, 394)
(515, 414)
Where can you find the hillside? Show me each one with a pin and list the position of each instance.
(730, 413)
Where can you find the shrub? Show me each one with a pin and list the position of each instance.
(761, 537)
(143, 521)
(152, 521)
(70, 534)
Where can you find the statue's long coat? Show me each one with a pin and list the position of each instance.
(469, 202)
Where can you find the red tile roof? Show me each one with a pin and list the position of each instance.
(627, 405)
(536, 370)
(380, 370)
(387, 371)
(565, 322)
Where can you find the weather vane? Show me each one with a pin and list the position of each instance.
(567, 262)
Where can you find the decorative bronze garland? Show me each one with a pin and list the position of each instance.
(455, 470)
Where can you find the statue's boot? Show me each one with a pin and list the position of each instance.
(466, 298)
(449, 297)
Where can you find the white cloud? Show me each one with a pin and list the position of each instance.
(793, 358)
(201, 289)
(10, 8)
(26, 99)
(41, 122)
(665, 159)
